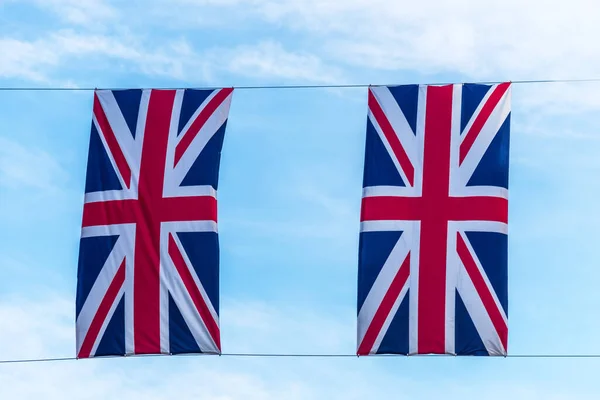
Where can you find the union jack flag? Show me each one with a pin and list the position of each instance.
(433, 243)
(148, 273)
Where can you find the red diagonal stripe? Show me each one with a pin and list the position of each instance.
(481, 119)
(204, 115)
(190, 285)
(483, 291)
(391, 137)
(385, 308)
(111, 141)
(102, 312)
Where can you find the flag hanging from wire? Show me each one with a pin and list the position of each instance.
(148, 272)
(433, 244)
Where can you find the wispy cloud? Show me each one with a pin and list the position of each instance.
(26, 60)
(480, 40)
(42, 327)
(467, 36)
(45, 329)
(36, 189)
(36, 328)
(260, 327)
(49, 58)
(22, 167)
(269, 60)
(329, 217)
(81, 12)
(558, 99)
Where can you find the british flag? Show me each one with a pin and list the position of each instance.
(148, 273)
(433, 243)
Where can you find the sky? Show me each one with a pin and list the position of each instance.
(290, 187)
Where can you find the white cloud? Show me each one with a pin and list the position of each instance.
(25, 59)
(35, 188)
(42, 326)
(330, 219)
(480, 39)
(22, 166)
(64, 51)
(46, 59)
(259, 327)
(474, 39)
(269, 60)
(378, 41)
(83, 12)
(564, 99)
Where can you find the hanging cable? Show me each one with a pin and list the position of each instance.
(300, 355)
(316, 86)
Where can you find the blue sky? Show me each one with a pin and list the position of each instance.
(290, 186)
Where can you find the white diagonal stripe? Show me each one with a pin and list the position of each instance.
(131, 148)
(479, 315)
(484, 139)
(382, 283)
(398, 120)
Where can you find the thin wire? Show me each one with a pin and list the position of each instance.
(325, 86)
(36, 360)
(275, 355)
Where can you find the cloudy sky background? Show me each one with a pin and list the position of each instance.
(290, 186)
